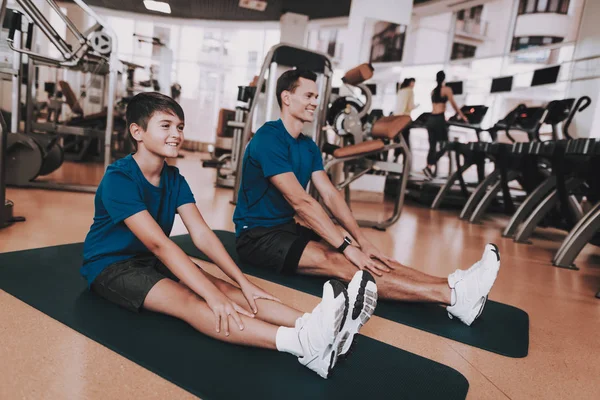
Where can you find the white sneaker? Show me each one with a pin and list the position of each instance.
(362, 292)
(473, 286)
(460, 273)
(318, 330)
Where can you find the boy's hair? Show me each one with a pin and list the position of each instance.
(143, 105)
(289, 81)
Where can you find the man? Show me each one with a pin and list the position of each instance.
(278, 164)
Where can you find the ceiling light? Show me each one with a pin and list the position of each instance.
(257, 5)
(159, 6)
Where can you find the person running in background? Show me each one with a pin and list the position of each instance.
(405, 104)
(437, 128)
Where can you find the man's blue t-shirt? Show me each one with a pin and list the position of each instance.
(272, 151)
(123, 192)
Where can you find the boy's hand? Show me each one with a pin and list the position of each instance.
(223, 308)
(253, 292)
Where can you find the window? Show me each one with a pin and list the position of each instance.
(469, 21)
(543, 6)
(473, 13)
(525, 42)
(461, 50)
(387, 44)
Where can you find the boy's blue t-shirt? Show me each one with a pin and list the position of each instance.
(123, 192)
(272, 151)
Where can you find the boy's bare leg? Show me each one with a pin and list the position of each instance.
(172, 298)
(269, 311)
(402, 283)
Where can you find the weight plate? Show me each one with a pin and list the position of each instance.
(54, 158)
(339, 105)
(101, 42)
(23, 159)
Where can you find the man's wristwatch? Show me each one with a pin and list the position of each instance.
(347, 242)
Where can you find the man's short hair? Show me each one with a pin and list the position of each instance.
(143, 105)
(289, 81)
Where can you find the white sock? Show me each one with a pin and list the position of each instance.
(287, 341)
(452, 296)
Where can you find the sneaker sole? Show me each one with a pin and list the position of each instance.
(338, 288)
(363, 306)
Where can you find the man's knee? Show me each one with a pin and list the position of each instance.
(342, 268)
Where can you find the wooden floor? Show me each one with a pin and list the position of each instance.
(43, 359)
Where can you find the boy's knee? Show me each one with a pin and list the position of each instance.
(188, 298)
(226, 287)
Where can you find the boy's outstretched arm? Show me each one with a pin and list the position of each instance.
(145, 228)
(208, 243)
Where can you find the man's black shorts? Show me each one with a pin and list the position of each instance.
(278, 248)
(127, 283)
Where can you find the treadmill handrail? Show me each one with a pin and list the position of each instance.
(577, 108)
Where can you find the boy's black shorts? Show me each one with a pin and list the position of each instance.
(128, 282)
(278, 248)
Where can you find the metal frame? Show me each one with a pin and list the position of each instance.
(577, 238)
(471, 158)
(271, 67)
(367, 165)
(529, 205)
(72, 60)
(544, 206)
(6, 206)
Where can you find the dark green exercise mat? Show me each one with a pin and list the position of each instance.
(48, 279)
(501, 328)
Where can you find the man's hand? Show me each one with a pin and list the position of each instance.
(253, 292)
(222, 307)
(373, 252)
(363, 261)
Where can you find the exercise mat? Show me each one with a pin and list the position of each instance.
(501, 329)
(48, 279)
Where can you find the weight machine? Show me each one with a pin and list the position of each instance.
(263, 104)
(97, 51)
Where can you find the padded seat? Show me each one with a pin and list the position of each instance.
(390, 127)
(360, 148)
(70, 98)
(225, 115)
(358, 75)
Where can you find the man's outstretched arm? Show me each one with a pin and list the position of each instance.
(337, 205)
(307, 208)
(317, 219)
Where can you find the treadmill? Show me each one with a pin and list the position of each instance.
(550, 202)
(515, 161)
(431, 192)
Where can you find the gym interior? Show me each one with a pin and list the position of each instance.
(520, 170)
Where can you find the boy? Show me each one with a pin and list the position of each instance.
(278, 164)
(130, 260)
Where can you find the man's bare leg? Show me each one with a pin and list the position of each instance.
(402, 283)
